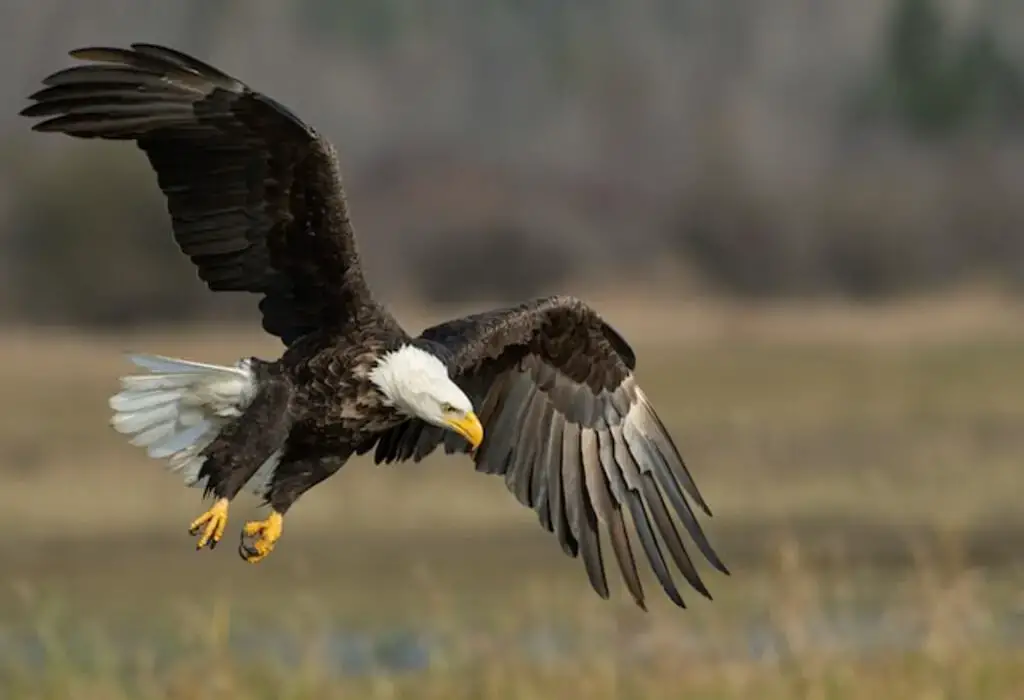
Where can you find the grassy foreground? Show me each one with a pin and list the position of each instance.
(866, 487)
(195, 650)
(978, 675)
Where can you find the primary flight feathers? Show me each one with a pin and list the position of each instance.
(256, 202)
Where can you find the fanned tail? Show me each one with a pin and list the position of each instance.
(178, 408)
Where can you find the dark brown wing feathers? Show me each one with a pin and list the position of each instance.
(255, 195)
(573, 435)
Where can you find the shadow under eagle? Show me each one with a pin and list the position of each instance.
(542, 393)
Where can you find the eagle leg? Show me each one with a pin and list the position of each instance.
(214, 520)
(266, 532)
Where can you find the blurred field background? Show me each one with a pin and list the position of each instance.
(806, 216)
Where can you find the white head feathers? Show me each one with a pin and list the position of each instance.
(417, 383)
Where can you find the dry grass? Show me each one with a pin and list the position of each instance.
(875, 483)
(939, 640)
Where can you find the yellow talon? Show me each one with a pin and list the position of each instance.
(215, 520)
(267, 533)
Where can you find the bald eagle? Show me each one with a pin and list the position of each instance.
(542, 393)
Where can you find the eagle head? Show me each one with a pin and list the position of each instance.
(416, 382)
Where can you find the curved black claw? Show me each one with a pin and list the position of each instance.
(266, 533)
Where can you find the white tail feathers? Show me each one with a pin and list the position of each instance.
(180, 407)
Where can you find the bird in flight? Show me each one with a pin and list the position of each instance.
(542, 393)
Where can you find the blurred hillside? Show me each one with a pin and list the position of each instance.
(755, 148)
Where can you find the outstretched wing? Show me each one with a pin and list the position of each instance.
(254, 194)
(574, 436)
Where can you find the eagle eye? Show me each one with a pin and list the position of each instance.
(447, 408)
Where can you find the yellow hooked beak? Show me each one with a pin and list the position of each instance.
(468, 426)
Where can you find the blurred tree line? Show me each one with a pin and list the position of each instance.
(513, 147)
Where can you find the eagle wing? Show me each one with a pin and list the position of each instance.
(255, 194)
(573, 434)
